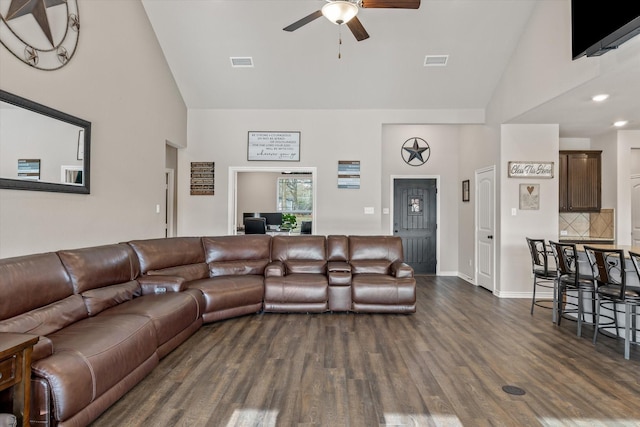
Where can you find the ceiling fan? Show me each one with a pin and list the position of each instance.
(344, 12)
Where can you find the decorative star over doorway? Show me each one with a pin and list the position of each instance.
(37, 8)
(418, 152)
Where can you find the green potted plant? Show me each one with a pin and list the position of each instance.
(289, 222)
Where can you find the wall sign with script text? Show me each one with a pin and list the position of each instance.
(275, 146)
(530, 169)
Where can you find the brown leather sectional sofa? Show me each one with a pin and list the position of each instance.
(106, 315)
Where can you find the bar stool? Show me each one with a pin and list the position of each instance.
(570, 279)
(543, 275)
(609, 272)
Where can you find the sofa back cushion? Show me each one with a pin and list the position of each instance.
(30, 282)
(337, 248)
(158, 254)
(99, 266)
(300, 254)
(237, 255)
(103, 275)
(374, 254)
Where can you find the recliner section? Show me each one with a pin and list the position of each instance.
(106, 315)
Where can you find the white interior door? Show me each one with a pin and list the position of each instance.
(635, 210)
(485, 227)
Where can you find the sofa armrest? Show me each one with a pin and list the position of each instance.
(158, 284)
(400, 269)
(341, 266)
(42, 349)
(274, 269)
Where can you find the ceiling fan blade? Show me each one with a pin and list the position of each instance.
(304, 21)
(391, 4)
(357, 29)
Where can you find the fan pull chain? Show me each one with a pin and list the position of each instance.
(339, 41)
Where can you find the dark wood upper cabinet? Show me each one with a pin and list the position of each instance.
(580, 181)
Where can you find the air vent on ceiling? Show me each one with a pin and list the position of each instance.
(435, 60)
(241, 61)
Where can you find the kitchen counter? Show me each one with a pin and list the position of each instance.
(587, 240)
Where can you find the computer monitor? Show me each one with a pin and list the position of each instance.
(274, 219)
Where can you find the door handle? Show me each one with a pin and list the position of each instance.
(490, 236)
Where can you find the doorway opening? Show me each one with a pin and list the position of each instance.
(415, 218)
(236, 200)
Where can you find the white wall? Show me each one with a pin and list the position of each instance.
(479, 149)
(608, 167)
(626, 140)
(525, 143)
(444, 143)
(118, 80)
(326, 137)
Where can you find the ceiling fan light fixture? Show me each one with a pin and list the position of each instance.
(339, 11)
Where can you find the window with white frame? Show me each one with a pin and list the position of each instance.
(295, 194)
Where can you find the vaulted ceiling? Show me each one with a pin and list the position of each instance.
(302, 70)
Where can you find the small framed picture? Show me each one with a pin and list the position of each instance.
(529, 196)
(465, 190)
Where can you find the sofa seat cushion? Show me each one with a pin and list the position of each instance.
(171, 313)
(383, 289)
(46, 320)
(93, 355)
(297, 288)
(226, 292)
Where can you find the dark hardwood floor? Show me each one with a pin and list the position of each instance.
(442, 366)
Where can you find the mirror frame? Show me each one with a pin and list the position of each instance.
(18, 184)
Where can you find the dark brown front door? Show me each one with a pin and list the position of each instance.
(414, 220)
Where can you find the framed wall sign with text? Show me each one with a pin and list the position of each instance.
(274, 146)
(530, 169)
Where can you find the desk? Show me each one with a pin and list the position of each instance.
(15, 371)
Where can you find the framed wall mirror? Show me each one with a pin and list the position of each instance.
(42, 149)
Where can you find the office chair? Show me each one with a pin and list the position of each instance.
(255, 225)
(305, 227)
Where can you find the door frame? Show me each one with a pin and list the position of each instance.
(232, 205)
(392, 178)
(631, 182)
(475, 226)
(170, 183)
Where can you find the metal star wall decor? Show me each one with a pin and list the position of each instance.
(41, 33)
(415, 151)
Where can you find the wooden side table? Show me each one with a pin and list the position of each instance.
(15, 371)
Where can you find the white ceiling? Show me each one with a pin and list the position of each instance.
(301, 69)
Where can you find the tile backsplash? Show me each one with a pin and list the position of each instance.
(595, 225)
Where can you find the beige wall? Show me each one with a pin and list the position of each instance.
(327, 136)
(119, 81)
(522, 143)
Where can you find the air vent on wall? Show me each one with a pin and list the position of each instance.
(241, 61)
(435, 60)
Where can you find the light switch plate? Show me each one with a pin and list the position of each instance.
(369, 210)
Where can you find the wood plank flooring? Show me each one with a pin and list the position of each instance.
(442, 366)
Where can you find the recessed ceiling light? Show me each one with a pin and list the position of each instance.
(601, 97)
(620, 123)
